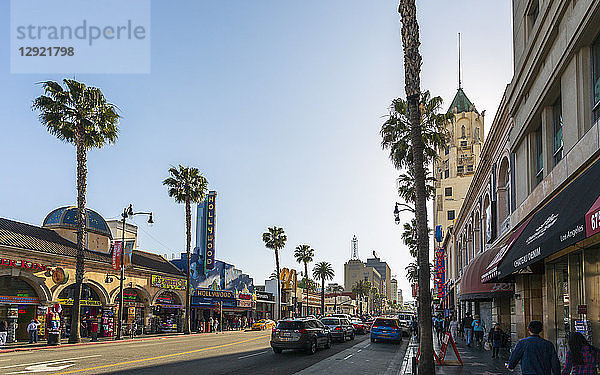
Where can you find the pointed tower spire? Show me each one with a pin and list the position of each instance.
(459, 72)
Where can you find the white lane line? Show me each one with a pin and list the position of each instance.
(53, 361)
(348, 356)
(359, 350)
(252, 355)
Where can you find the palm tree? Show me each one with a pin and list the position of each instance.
(412, 272)
(412, 87)
(323, 271)
(335, 289)
(357, 289)
(186, 185)
(275, 239)
(82, 116)
(376, 298)
(304, 254)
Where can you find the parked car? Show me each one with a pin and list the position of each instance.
(339, 328)
(405, 320)
(263, 324)
(360, 327)
(387, 329)
(301, 334)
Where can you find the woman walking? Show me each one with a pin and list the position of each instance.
(478, 329)
(454, 328)
(495, 340)
(582, 358)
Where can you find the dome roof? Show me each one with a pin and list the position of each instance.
(65, 217)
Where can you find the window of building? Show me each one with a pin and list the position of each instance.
(451, 215)
(463, 144)
(462, 132)
(596, 79)
(447, 150)
(448, 191)
(476, 134)
(557, 136)
(460, 169)
(470, 168)
(538, 156)
(446, 173)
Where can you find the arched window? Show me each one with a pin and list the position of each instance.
(462, 132)
(504, 194)
(487, 220)
(477, 233)
(476, 134)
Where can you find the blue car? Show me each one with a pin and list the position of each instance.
(386, 329)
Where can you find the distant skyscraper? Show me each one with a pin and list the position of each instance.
(354, 248)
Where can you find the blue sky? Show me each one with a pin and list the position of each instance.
(279, 104)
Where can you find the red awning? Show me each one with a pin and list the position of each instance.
(472, 288)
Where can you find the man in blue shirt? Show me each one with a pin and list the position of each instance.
(537, 356)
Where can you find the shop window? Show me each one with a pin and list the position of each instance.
(451, 215)
(596, 80)
(538, 156)
(557, 131)
(448, 191)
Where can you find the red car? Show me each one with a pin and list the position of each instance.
(360, 327)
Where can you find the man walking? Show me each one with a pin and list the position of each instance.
(468, 327)
(32, 329)
(537, 356)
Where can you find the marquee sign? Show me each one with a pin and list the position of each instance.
(440, 272)
(209, 254)
(167, 282)
(82, 302)
(19, 300)
(25, 264)
(223, 294)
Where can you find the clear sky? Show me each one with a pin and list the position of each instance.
(278, 103)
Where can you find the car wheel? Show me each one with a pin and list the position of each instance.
(312, 348)
(277, 350)
(328, 343)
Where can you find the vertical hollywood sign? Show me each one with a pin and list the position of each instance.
(209, 261)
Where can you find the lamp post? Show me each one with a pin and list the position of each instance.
(127, 212)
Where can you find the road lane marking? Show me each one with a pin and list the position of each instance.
(161, 356)
(348, 356)
(53, 361)
(252, 355)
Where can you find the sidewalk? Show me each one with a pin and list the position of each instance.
(476, 361)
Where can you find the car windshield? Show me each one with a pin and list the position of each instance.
(330, 321)
(290, 325)
(385, 323)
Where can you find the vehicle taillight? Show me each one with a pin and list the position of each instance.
(302, 331)
(338, 328)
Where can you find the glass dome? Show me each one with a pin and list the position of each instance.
(65, 217)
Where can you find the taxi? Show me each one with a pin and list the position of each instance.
(263, 324)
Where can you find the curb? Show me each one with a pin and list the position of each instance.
(29, 348)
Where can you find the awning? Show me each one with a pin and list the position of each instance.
(570, 217)
(472, 288)
(491, 272)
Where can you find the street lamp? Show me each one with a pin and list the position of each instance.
(397, 210)
(127, 213)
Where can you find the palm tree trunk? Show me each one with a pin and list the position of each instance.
(412, 70)
(188, 235)
(278, 284)
(75, 333)
(322, 296)
(306, 285)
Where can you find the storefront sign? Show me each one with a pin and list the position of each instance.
(130, 295)
(168, 282)
(209, 256)
(59, 276)
(82, 302)
(244, 303)
(116, 255)
(264, 296)
(18, 300)
(223, 294)
(23, 263)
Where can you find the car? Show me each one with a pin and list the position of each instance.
(345, 316)
(405, 319)
(340, 328)
(360, 327)
(263, 324)
(386, 329)
(300, 334)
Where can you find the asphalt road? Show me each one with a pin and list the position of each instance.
(228, 353)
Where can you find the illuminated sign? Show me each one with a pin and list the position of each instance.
(82, 302)
(440, 273)
(168, 282)
(209, 254)
(226, 294)
(26, 264)
(19, 300)
(244, 303)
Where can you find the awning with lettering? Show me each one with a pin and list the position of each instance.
(471, 286)
(571, 216)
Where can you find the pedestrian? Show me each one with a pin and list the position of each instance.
(468, 327)
(454, 328)
(133, 328)
(216, 324)
(438, 324)
(32, 330)
(211, 324)
(495, 340)
(478, 328)
(3, 332)
(537, 355)
(582, 358)
(414, 325)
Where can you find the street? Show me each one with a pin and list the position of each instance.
(235, 352)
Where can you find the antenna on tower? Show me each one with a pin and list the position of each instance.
(354, 248)
(459, 72)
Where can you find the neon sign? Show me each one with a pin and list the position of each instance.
(26, 264)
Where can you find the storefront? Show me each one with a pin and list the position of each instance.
(134, 310)
(91, 310)
(19, 303)
(207, 304)
(556, 263)
(167, 313)
(265, 305)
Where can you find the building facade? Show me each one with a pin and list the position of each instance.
(385, 273)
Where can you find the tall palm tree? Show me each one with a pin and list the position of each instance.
(186, 185)
(412, 272)
(82, 116)
(335, 289)
(275, 239)
(357, 289)
(304, 254)
(323, 271)
(412, 87)
(376, 298)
